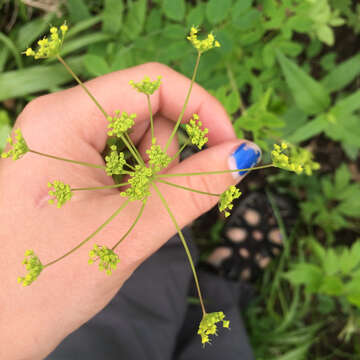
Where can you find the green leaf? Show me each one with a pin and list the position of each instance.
(240, 8)
(196, 15)
(347, 261)
(135, 18)
(331, 262)
(174, 31)
(217, 10)
(77, 10)
(306, 274)
(317, 248)
(332, 285)
(174, 9)
(82, 26)
(154, 20)
(4, 52)
(96, 65)
(325, 34)
(5, 128)
(342, 177)
(342, 75)
(309, 95)
(32, 31)
(37, 78)
(308, 130)
(347, 105)
(250, 20)
(113, 16)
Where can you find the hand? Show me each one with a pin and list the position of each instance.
(36, 318)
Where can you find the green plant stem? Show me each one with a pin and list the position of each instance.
(132, 150)
(100, 187)
(68, 160)
(130, 142)
(185, 247)
(186, 143)
(186, 188)
(151, 117)
(235, 88)
(67, 67)
(91, 235)
(216, 172)
(132, 226)
(185, 104)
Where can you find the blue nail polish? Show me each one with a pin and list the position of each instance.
(245, 157)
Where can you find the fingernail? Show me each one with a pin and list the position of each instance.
(246, 156)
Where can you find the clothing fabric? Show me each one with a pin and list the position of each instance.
(155, 316)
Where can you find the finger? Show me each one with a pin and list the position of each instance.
(185, 205)
(162, 130)
(70, 115)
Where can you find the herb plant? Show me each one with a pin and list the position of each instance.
(140, 177)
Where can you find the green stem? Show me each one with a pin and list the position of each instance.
(67, 67)
(100, 187)
(131, 149)
(151, 117)
(235, 88)
(186, 143)
(92, 235)
(68, 160)
(132, 226)
(134, 147)
(185, 247)
(185, 103)
(189, 189)
(216, 172)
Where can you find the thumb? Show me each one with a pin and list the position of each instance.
(188, 205)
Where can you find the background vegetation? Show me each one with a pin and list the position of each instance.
(287, 69)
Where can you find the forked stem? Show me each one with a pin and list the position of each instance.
(132, 226)
(185, 247)
(187, 188)
(112, 217)
(100, 187)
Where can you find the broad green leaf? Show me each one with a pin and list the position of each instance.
(342, 177)
(96, 65)
(347, 105)
(82, 42)
(308, 130)
(77, 10)
(250, 20)
(345, 129)
(82, 26)
(309, 95)
(347, 261)
(331, 262)
(306, 274)
(174, 31)
(154, 21)
(196, 15)
(32, 31)
(174, 9)
(37, 78)
(5, 128)
(135, 18)
(317, 248)
(342, 75)
(332, 285)
(241, 7)
(350, 207)
(4, 52)
(325, 34)
(217, 10)
(112, 16)
(354, 299)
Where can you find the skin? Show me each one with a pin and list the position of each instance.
(35, 319)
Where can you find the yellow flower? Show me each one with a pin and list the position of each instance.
(202, 45)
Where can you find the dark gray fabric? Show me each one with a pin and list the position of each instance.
(150, 317)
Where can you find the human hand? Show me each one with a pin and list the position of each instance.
(35, 319)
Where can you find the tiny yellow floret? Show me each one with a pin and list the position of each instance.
(208, 325)
(202, 45)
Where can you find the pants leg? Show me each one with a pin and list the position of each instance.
(148, 318)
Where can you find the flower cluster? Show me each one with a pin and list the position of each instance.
(114, 162)
(227, 197)
(49, 47)
(158, 158)
(33, 266)
(202, 45)
(108, 259)
(293, 159)
(146, 86)
(196, 135)
(119, 125)
(61, 192)
(208, 325)
(139, 183)
(19, 146)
